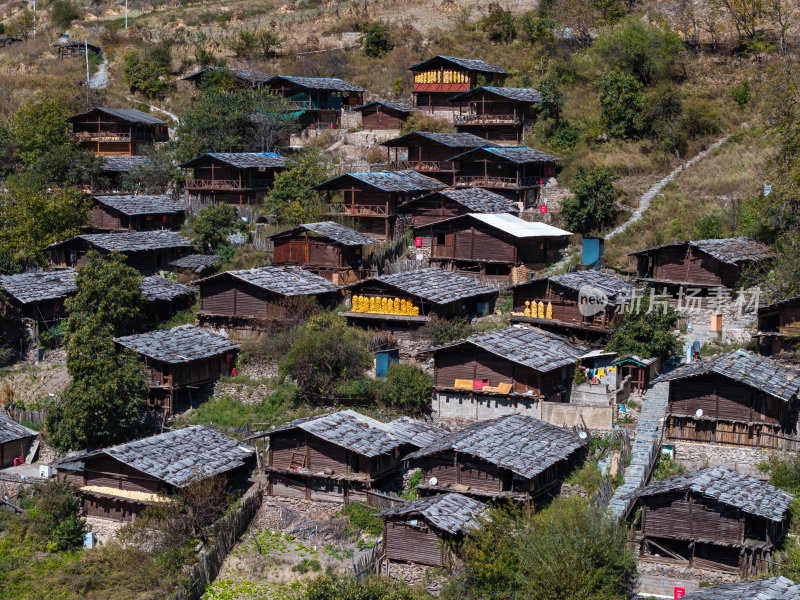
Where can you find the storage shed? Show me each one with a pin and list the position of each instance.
(114, 169)
(180, 360)
(340, 456)
(164, 297)
(778, 326)
(773, 588)
(640, 370)
(119, 482)
(232, 177)
(144, 250)
(15, 440)
(328, 249)
(736, 399)
(117, 131)
(515, 457)
(700, 263)
(439, 78)
(498, 114)
(125, 212)
(449, 203)
(427, 530)
(383, 115)
(192, 266)
(714, 519)
(499, 246)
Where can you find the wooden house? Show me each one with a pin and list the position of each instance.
(498, 246)
(371, 199)
(319, 101)
(144, 250)
(516, 172)
(180, 360)
(430, 153)
(341, 456)
(115, 169)
(735, 399)
(772, 588)
(714, 519)
(641, 371)
(164, 297)
(439, 78)
(583, 304)
(502, 371)
(248, 298)
(449, 203)
(232, 177)
(513, 457)
(328, 249)
(383, 115)
(242, 79)
(117, 131)
(119, 482)
(15, 441)
(124, 212)
(778, 326)
(498, 114)
(700, 263)
(427, 531)
(401, 303)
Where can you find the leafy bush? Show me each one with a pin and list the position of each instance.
(408, 388)
(666, 467)
(591, 206)
(442, 331)
(376, 39)
(364, 518)
(306, 565)
(293, 199)
(419, 121)
(348, 587)
(212, 225)
(646, 334)
(69, 533)
(741, 94)
(499, 24)
(622, 103)
(63, 12)
(552, 100)
(566, 135)
(709, 227)
(256, 44)
(144, 74)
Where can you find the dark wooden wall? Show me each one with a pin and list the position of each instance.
(102, 470)
(686, 264)
(723, 398)
(412, 543)
(381, 117)
(302, 250)
(231, 297)
(14, 449)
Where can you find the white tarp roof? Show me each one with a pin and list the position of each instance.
(518, 227)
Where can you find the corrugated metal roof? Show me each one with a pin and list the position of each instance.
(35, 287)
(453, 513)
(388, 181)
(330, 231)
(362, 434)
(10, 430)
(129, 115)
(612, 285)
(728, 250)
(181, 344)
(434, 285)
(449, 140)
(160, 288)
(759, 372)
(528, 346)
(135, 241)
(520, 155)
(195, 261)
(141, 205)
(516, 94)
(470, 64)
(181, 456)
(286, 281)
(242, 160)
(751, 495)
(398, 106)
(328, 84)
(520, 443)
(774, 588)
(517, 227)
(123, 164)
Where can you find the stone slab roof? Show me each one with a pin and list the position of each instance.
(520, 443)
(519, 155)
(242, 160)
(286, 280)
(129, 115)
(528, 346)
(476, 200)
(612, 285)
(750, 495)
(362, 434)
(135, 241)
(160, 288)
(388, 181)
(760, 372)
(35, 287)
(398, 106)
(141, 205)
(329, 231)
(449, 140)
(181, 344)
(180, 456)
(470, 64)
(516, 94)
(195, 261)
(123, 164)
(250, 76)
(774, 588)
(453, 513)
(727, 250)
(328, 84)
(434, 285)
(11, 431)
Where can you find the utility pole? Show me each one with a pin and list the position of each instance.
(86, 54)
(34, 20)
(126, 15)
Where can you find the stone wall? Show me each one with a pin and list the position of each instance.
(695, 455)
(574, 415)
(477, 407)
(351, 119)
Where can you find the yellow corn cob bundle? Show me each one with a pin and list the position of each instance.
(541, 309)
(527, 311)
(549, 310)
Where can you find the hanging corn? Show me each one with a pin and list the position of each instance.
(541, 309)
(549, 310)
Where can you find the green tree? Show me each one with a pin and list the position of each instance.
(38, 127)
(552, 100)
(645, 51)
(145, 73)
(663, 119)
(407, 388)
(256, 44)
(21, 26)
(155, 177)
(293, 199)
(212, 225)
(499, 24)
(62, 13)
(67, 164)
(376, 39)
(591, 206)
(622, 102)
(646, 333)
(34, 218)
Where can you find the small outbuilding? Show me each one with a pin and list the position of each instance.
(383, 115)
(180, 360)
(232, 177)
(164, 297)
(641, 371)
(192, 266)
(124, 212)
(15, 441)
(449, 203)
(778, 326)
(115, 168)
(117, 131)
(427, 531)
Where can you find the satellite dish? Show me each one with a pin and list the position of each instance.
(582, 435)
(698, 412)
(433, 481)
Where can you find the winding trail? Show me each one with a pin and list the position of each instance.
(157, 109)
(99, 80)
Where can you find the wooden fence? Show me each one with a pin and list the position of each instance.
(36, 417)
(210, 559)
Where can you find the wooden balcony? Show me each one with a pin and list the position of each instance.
(227, 184)
(491, 181)
(422, 165)
(111, 136)
(473, 119)
(358, 210)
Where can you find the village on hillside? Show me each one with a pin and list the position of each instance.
(312, 339)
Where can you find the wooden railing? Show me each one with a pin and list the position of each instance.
(422, 165)
(356, 211)
(228, 184)
(487, 119)
(111, 136)
(501, 182)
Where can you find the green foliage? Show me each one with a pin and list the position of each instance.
(306, 565)
(347, 587)
(376, 39)
(646, 334)
(442, 331)
(145, 73)
(256, 44)
(566, 135)
(622, 102)
(64, 165)
(292, 199)
(552, 100)
(666, 467)
(34, 218)
(588, 476)
(69, 533)
(640, 49)
(364, 518)
(741, 94)
(536, 29)
(499, 24)
(709, 227)
(227, 411)
(418, 121)
(2, 28)
(38, 127)
(591, 206)
(212, 225)
(326, 354)
(62, 13)
(407, 388)
(155, 177)
(21, 26)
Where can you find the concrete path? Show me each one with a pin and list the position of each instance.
(161, 110)
(99, 80)
(647, 197)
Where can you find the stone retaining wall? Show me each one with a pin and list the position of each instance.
(694, 456)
